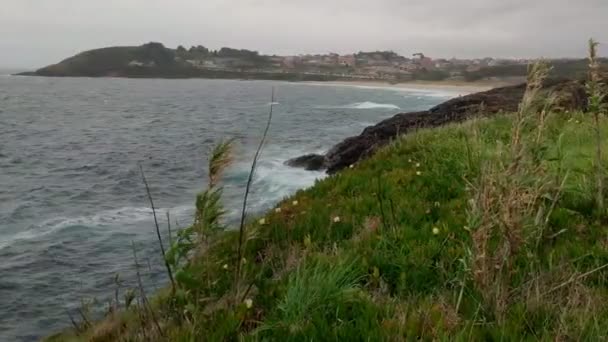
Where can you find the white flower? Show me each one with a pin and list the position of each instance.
(435, 231)
(417, 164)
(248, 303)
(262, 221)
(225, 266)
(409, 160)
(277, 210)
(418, 173)
(351, 166)
(337, 219)
(295, 202)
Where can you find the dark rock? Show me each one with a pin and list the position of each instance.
(570, 96)
(310, 162)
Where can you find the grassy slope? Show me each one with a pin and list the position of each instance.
(398, 264)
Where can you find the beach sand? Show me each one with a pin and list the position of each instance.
(456, 87)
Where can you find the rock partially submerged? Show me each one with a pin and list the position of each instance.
(310, 162)
(570, 96)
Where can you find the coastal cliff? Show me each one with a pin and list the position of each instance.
(480, 219)
(569, 96)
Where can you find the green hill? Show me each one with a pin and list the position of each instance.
(112, 61)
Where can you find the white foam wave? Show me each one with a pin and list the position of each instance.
(125, 215)
(373, 105)
(364, 105)
(273, 179)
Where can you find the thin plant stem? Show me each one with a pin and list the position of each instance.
(160, 240)
(246, 196)
(142, 292)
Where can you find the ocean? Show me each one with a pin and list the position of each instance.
(71, 197)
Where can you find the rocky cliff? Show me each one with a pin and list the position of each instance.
(570, 95)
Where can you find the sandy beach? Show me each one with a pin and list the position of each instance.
(456, 87)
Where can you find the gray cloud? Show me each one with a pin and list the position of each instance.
(38, 32)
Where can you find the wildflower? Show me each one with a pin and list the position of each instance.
(571, 119)
(428, 211)
(418, 173)
(225, 266)
(437, 204)
(307, 241)
(376, 272)
(295, 202)
(351, 166)
(277, 210)
(435, 231)
(248, 303)
(262, 221)
(417, 164)
(337, 219)
(409, 160)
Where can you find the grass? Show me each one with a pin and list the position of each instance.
(398, 264)
(486, 230)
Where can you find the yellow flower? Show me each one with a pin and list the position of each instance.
(307, 241)
(262, 221)
(337, 219)
(376, 272)
(295, 202)
(435, 231)
(248, 303)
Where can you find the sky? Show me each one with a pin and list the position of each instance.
(35, 33)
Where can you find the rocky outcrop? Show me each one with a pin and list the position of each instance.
(570, 95)
(310, 162)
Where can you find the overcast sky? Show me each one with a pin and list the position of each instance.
(35, 33)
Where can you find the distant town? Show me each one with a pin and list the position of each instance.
(156, 60)
(377, 65)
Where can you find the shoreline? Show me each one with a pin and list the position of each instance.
(460, 87)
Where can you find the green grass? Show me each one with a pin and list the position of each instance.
(384, 251)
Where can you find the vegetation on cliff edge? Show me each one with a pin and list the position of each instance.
(488, 230)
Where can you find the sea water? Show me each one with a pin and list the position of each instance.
(71, 196)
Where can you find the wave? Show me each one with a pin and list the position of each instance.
(364, 105)
(125, 215)
(273, 180)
